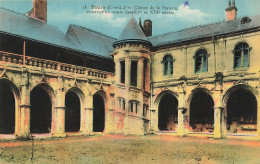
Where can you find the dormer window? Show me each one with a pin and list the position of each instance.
(168, 65)
(241, 56)
(201, 61)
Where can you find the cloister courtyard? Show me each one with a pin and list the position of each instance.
(100, 148)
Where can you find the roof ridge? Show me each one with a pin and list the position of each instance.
(196, 26)
(188, 28)
(13, 11)
(85, 28)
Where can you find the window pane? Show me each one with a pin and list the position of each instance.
(123, 104)
(134, 73)
(205, 64)
(198, 64)
(132, 106)
(122, 69)
(171, 67)
(237, 61)
(245, 62)
(144, 74)
(165, 68)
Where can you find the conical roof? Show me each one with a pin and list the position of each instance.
(132, 33)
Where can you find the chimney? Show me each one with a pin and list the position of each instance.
(39, 10)
(148, 27)
(231, 11)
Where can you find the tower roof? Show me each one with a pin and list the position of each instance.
(132, 33)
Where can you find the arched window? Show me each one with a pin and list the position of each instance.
(201, 61)
(241, 55)
(168, 65)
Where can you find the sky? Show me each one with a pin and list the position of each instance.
(61, 13)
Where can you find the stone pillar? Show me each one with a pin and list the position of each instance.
(140, 73)
(110, 126)
(23, 130)
(59, 115)
(87, 115)
(154, 121)
(219, 122)
(126, 121)
(88, 121)
(127, 72)
(181, 113)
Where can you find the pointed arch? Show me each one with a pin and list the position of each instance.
(9, 107)
(43, 99)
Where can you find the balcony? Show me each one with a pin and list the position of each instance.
(12, 58)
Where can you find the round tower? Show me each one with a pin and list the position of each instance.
(132, 78)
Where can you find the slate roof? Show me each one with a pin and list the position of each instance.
(81, 40)
(94, 43)
(132, 32)
(23, 26)
(224, 27)
(91, 41)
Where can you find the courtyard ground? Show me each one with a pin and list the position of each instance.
(131, 149)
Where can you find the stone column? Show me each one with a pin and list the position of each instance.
(127, 72)
(87, 115)
(140, 73)
(126, 120)
(110, 126)
(23, 130)
(219, 122)
(59, 115)
(154, 121)
(88, 121)
(181, 113)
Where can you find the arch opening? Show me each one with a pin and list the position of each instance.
(7, 109)
(72, 112)
(202, 112)
(168, 113)
(241, 112)
(98, 113)
(41, 111)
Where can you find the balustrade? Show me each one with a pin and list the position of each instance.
(49, 64)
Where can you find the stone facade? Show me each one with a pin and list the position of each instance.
(204, 82)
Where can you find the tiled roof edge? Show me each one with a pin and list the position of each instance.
(85, 28)
(188, 28)
(13, 11)
(197, 26)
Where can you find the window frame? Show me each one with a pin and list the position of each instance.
(134, 106)
(203, 56)
(239, 56)
(168, 65)
(122, 71)
(133, 82)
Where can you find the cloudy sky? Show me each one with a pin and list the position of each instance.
(61, 13)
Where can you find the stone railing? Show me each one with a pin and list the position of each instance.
(49, 64)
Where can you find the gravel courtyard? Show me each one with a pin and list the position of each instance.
(131, 149)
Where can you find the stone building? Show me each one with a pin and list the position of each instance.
(200, 80)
